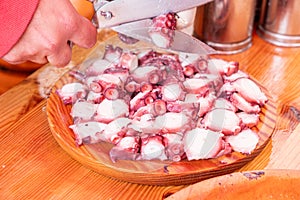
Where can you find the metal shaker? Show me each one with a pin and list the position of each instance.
(279, 22)
(226, 25)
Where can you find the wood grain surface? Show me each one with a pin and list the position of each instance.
(263, 184)
(10, 78)
(34, 166)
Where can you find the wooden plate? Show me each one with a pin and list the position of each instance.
(264, 184)
(96, 157)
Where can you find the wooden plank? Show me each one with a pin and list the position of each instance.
(9, 78)
(287, 156)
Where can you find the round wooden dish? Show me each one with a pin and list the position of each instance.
(96, 157)
(264, 184)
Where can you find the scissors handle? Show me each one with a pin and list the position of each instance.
(84, 7)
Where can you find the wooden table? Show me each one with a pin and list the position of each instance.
(34, 166)
(9, 78)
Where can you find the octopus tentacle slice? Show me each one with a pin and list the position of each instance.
(142, 73)
(244, 142)
(144, 124)
(138, 100)
(226, 90)
(223, 103)
(83, 110)
(131, 86)
(233, 77)
(153, 148)
(116, 129)
(172, 92)
(197, 85)
(93, 84)
(248, 119)
(129, 143)
(119, 73)
(199, 63)
(112, 54)
(94, 97)
(171, 122)
(250, 91)
(223, 120)
(118, 152)
(244, 105)
(205, 102)
(174, 146)
(88, 132)
(202, 143)
(98, 67)
(162, 30)
(129, 61)
(222, 67)
(108, 80)
(108, 110)
(71, 92)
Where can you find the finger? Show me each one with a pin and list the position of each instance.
(38, 60)
(14, 59)
(13, 62)
(14, 56)
(86, 35)
(35, 55)
(61, 57)
(24, 52)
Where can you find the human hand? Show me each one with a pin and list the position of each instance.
(46, 38)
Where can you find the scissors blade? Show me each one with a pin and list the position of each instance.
(123, 11)
(182, 42)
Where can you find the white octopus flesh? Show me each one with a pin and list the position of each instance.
(165, 106)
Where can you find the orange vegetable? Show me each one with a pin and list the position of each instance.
(84, 8)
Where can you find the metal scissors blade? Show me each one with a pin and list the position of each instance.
(181, 42)
(125, 11)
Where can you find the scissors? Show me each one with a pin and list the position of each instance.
(134, 17)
